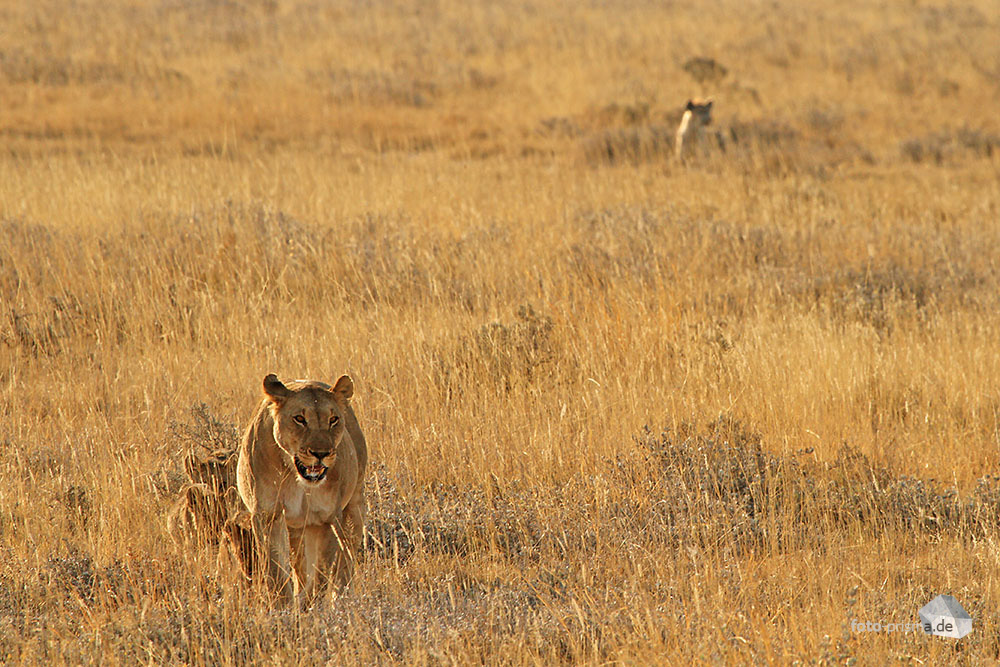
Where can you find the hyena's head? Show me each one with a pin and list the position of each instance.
(701, 111)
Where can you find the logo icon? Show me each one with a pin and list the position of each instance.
(944, 616)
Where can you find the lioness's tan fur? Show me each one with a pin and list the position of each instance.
(305, 532)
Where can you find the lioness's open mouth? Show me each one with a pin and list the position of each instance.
(313, 473)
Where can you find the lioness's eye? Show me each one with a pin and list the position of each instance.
(334, 420)
(299, 419)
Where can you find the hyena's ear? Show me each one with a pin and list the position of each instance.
(344, 389)
(274, 390)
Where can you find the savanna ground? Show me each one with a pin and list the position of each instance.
(619, 409)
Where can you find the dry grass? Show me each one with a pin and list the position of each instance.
(196, 193)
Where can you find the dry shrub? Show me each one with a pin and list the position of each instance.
(44, 332)
(951, 145)
(502, 355)
(18, 66)
(714, 486)
(208, 509)
(769, 145)
(888, 295)
(387, 87)
(719, 487)
(630, 145)
(617, 115)
(705, 70)
(515, 353)
(75, 575)
(620, 244)
(448, 519)
(825, 118)
(560, 127)
(761, 134)
(717, 484)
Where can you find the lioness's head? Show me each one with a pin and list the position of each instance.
(308, 422)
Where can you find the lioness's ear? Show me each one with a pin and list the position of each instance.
(690, 106)
(344, 388)
(275, 391)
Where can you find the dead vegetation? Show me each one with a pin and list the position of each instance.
(710, 489)
(474, 211)
(951, 145)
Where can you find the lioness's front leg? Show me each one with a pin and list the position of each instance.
(272, 540)
(349, 532)
(296, 554)
(354, 523)
(319, 546)
(351, 538)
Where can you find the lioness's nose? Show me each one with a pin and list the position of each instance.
(318, 454)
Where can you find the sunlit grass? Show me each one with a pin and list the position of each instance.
(195, 194)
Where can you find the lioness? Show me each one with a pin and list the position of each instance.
(300, 474)
(697, 116)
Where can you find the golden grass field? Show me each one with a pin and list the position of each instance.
(620, 410)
